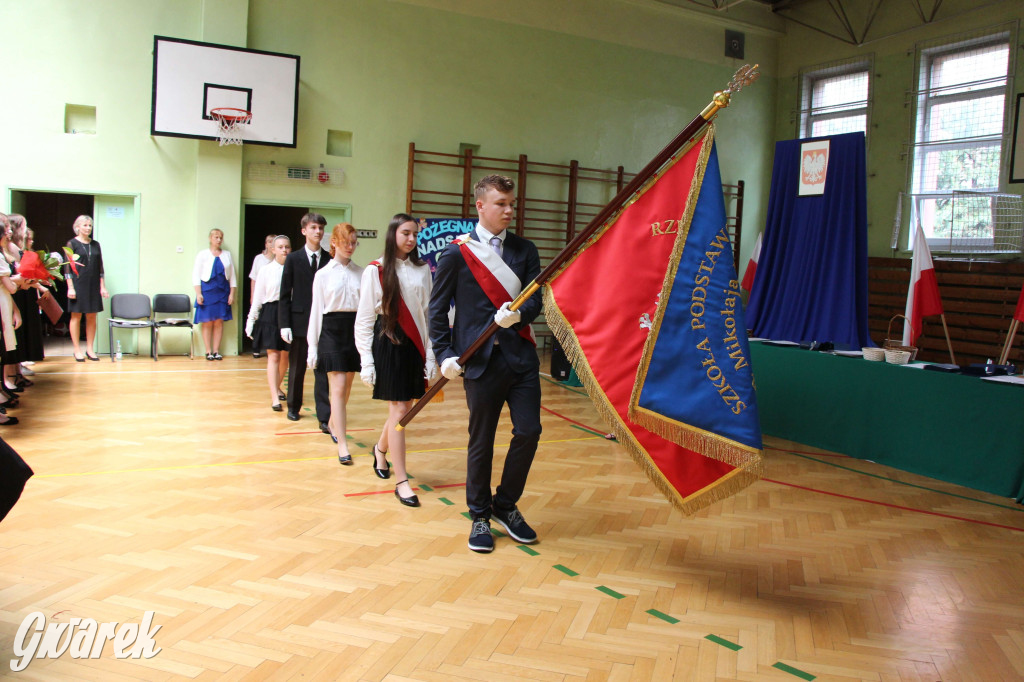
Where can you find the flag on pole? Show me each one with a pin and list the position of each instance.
(748, 277)
(649, 311)
(1018, 314)
(923, 293)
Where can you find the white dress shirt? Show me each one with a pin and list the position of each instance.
(257, 264)
(415, 283)
(267, 289)
(309, 256)
(335, 289)
(203, 268)
(485, 237)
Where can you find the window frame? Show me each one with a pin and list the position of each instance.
(808, 114)
(926, 98)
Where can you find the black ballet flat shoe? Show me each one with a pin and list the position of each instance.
(22, 381)
(78, 359)
(209, 356)
(218, 356)
(11, 421)
(345, 461)
(411, 501)
(384, 473)
(281, 396)
(277, 407)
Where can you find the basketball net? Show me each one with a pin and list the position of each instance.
(229, 122)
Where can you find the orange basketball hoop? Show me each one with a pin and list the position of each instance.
(229, 121)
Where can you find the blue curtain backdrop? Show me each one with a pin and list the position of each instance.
(812, 277)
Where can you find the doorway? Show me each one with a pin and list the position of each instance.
(50, 215)
(259, 220)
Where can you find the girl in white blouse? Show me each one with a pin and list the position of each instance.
(330, 334)
(393, 341)
(261, 325)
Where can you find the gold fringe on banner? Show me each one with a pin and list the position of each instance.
(707, 443)
(729, 485)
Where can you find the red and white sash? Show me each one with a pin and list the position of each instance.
(405, 319)
(494, 276)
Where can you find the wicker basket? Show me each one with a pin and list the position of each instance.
(873, 354)
(897, 344)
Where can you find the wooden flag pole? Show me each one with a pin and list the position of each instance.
(744, 76)
(1008, 344)
(949, 344)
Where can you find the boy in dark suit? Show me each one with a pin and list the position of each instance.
(482, 274)
(293, 316)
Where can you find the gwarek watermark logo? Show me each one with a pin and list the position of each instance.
(81, 638)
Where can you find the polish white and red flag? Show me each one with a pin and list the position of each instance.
(748, 276)
(923, 295)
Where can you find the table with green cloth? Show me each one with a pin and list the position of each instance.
(951, 427)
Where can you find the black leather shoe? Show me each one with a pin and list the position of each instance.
(11, 421)
(334, 438)
(411, 501)
(277, 407)
(294, 416)
(281, 396)
(324, 428)
(78, 359)
(345, 460)
(94, 358)
(384, 473)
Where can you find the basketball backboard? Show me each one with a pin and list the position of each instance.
(191, 78)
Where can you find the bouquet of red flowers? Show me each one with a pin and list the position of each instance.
(45, 267)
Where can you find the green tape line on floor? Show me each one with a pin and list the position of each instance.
(567, 571)
(531, 552)
(610, 592)
(446, 500)
(724, 642)
(664, 616)
(792, 671)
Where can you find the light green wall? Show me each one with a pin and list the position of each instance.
(619, 81)
(891, 117)
(393, 73)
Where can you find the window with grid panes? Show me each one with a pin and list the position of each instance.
(961, 102)
(835, 98)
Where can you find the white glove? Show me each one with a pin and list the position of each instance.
(430, 368)
(311, 358)
(369, 375)
(505, 317)
(249, 324)
(286, 335)
(451, 369)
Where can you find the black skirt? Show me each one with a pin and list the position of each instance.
(399, 367)
(30, 333)
(336, 349)
(266, 335)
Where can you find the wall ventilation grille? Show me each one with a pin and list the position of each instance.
(301, 175)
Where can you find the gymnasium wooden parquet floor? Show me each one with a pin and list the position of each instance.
(172, 487)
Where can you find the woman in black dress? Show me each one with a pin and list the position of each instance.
(86, 290)
(396, 356)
